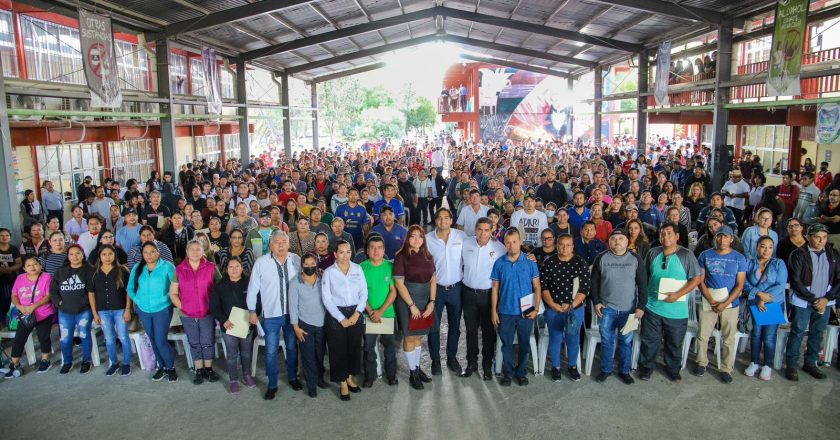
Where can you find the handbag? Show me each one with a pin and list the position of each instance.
(26, 322)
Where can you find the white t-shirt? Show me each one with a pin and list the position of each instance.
(736, 188)
(530, 225)
(467, 218)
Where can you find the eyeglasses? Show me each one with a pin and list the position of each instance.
(665, 262)
(547, 238)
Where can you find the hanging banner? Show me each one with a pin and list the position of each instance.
(663, 73)
(211, 81)
(828, 124)
(99, 60)
(787, 47)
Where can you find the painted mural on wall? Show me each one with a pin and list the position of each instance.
(517, 104)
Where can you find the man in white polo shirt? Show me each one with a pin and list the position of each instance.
(479, 254)
(445, 244)
(470, 214)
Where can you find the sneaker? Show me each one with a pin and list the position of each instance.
(626, 378)
(505, 381)
(726, 378)
(172, 375)
(14, 371)
(44, 366)
(522, 381)
(234, 388)
(85, 368)
(423, 376)
(813, 371)
(112, 369)
(159, 375)
(766, 372)
(65, 368)
(211, 375)
(699, 371)
(602, 377)
(751, 370)
(675, 376)
(574, 374)
(414, 380)
(644, 373)
(126, 370)
(436, 370)
(198, 377)
(555, 375)
(791, 374)
(249, 381)
(270, 393)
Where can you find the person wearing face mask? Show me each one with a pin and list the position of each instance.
(823, 178)
(306, 313)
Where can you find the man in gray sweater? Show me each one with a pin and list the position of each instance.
(619, 289)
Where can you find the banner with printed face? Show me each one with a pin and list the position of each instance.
(663, 73)
(211, 81)
(99, 60)
(787, 47)
(828, 124)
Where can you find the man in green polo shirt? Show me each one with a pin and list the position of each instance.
(379, 310)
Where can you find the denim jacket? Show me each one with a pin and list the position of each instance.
(772, 281)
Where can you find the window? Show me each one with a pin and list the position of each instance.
(232, 147)
(52, 51)
(132, 159)
(770, 143)
(66, 165)
(756, 50)
(8, 55)
(178, 74)
(133, 64)
(208, 147)
(197, 83)
(227, 79)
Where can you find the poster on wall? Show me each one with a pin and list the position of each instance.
(828, 124)
(99, 60)
(787, 47)
(211, 81)
(663, 73)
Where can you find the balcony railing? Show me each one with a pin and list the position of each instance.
(810, 87)
(449, 105)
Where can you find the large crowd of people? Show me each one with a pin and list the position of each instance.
(338, 251)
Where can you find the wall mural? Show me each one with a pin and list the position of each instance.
(518, 104)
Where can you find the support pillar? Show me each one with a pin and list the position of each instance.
(242, 111)
(641, 105)
(10, 216)
(599, 93)
(313, 102)
(287, 123)
(167, 123)
(571, 121)
(794, 151)
(721, 154)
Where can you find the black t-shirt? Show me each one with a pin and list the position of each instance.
(7, 258)
(151, 215)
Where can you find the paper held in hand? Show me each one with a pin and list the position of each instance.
(631, 325)
(239, 318)
(257, 247)
(161, 220)
(719, 295)
(671, 285)
(385, 326)
(526, 304)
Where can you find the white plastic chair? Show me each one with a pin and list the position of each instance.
(182, 346)
(28, 348)
(542, 348)
(739, 337)
(259, 341)
(692, 328)
(831, 343)
(782, 334)
(136, 338)
(534, 353)
(590, 342)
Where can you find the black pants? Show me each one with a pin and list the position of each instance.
(434, 204)
(345, 345)
(423, 207)
(476, 305)
(389, 344)
(43, 329)
(413, 214)
(312, 354)
(654, 329)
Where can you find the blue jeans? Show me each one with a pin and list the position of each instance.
(763, 336)
(114, 327)
(156, 326)
(609, 326)
(556, 323)
(510, 327)
(805, 319)
(272, 328)
(67, 323)
(450, 299)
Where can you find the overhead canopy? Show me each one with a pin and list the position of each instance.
(316, 38)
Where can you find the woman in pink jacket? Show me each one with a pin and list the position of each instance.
(191, 294)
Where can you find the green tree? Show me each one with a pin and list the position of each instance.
(421, 117)
(340, 104)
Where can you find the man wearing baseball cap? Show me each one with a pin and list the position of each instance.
(261, 236)
(619, 289)
(815, 286)
(724, 272)
(128, 236)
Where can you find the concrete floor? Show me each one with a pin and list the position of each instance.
(94, 406)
